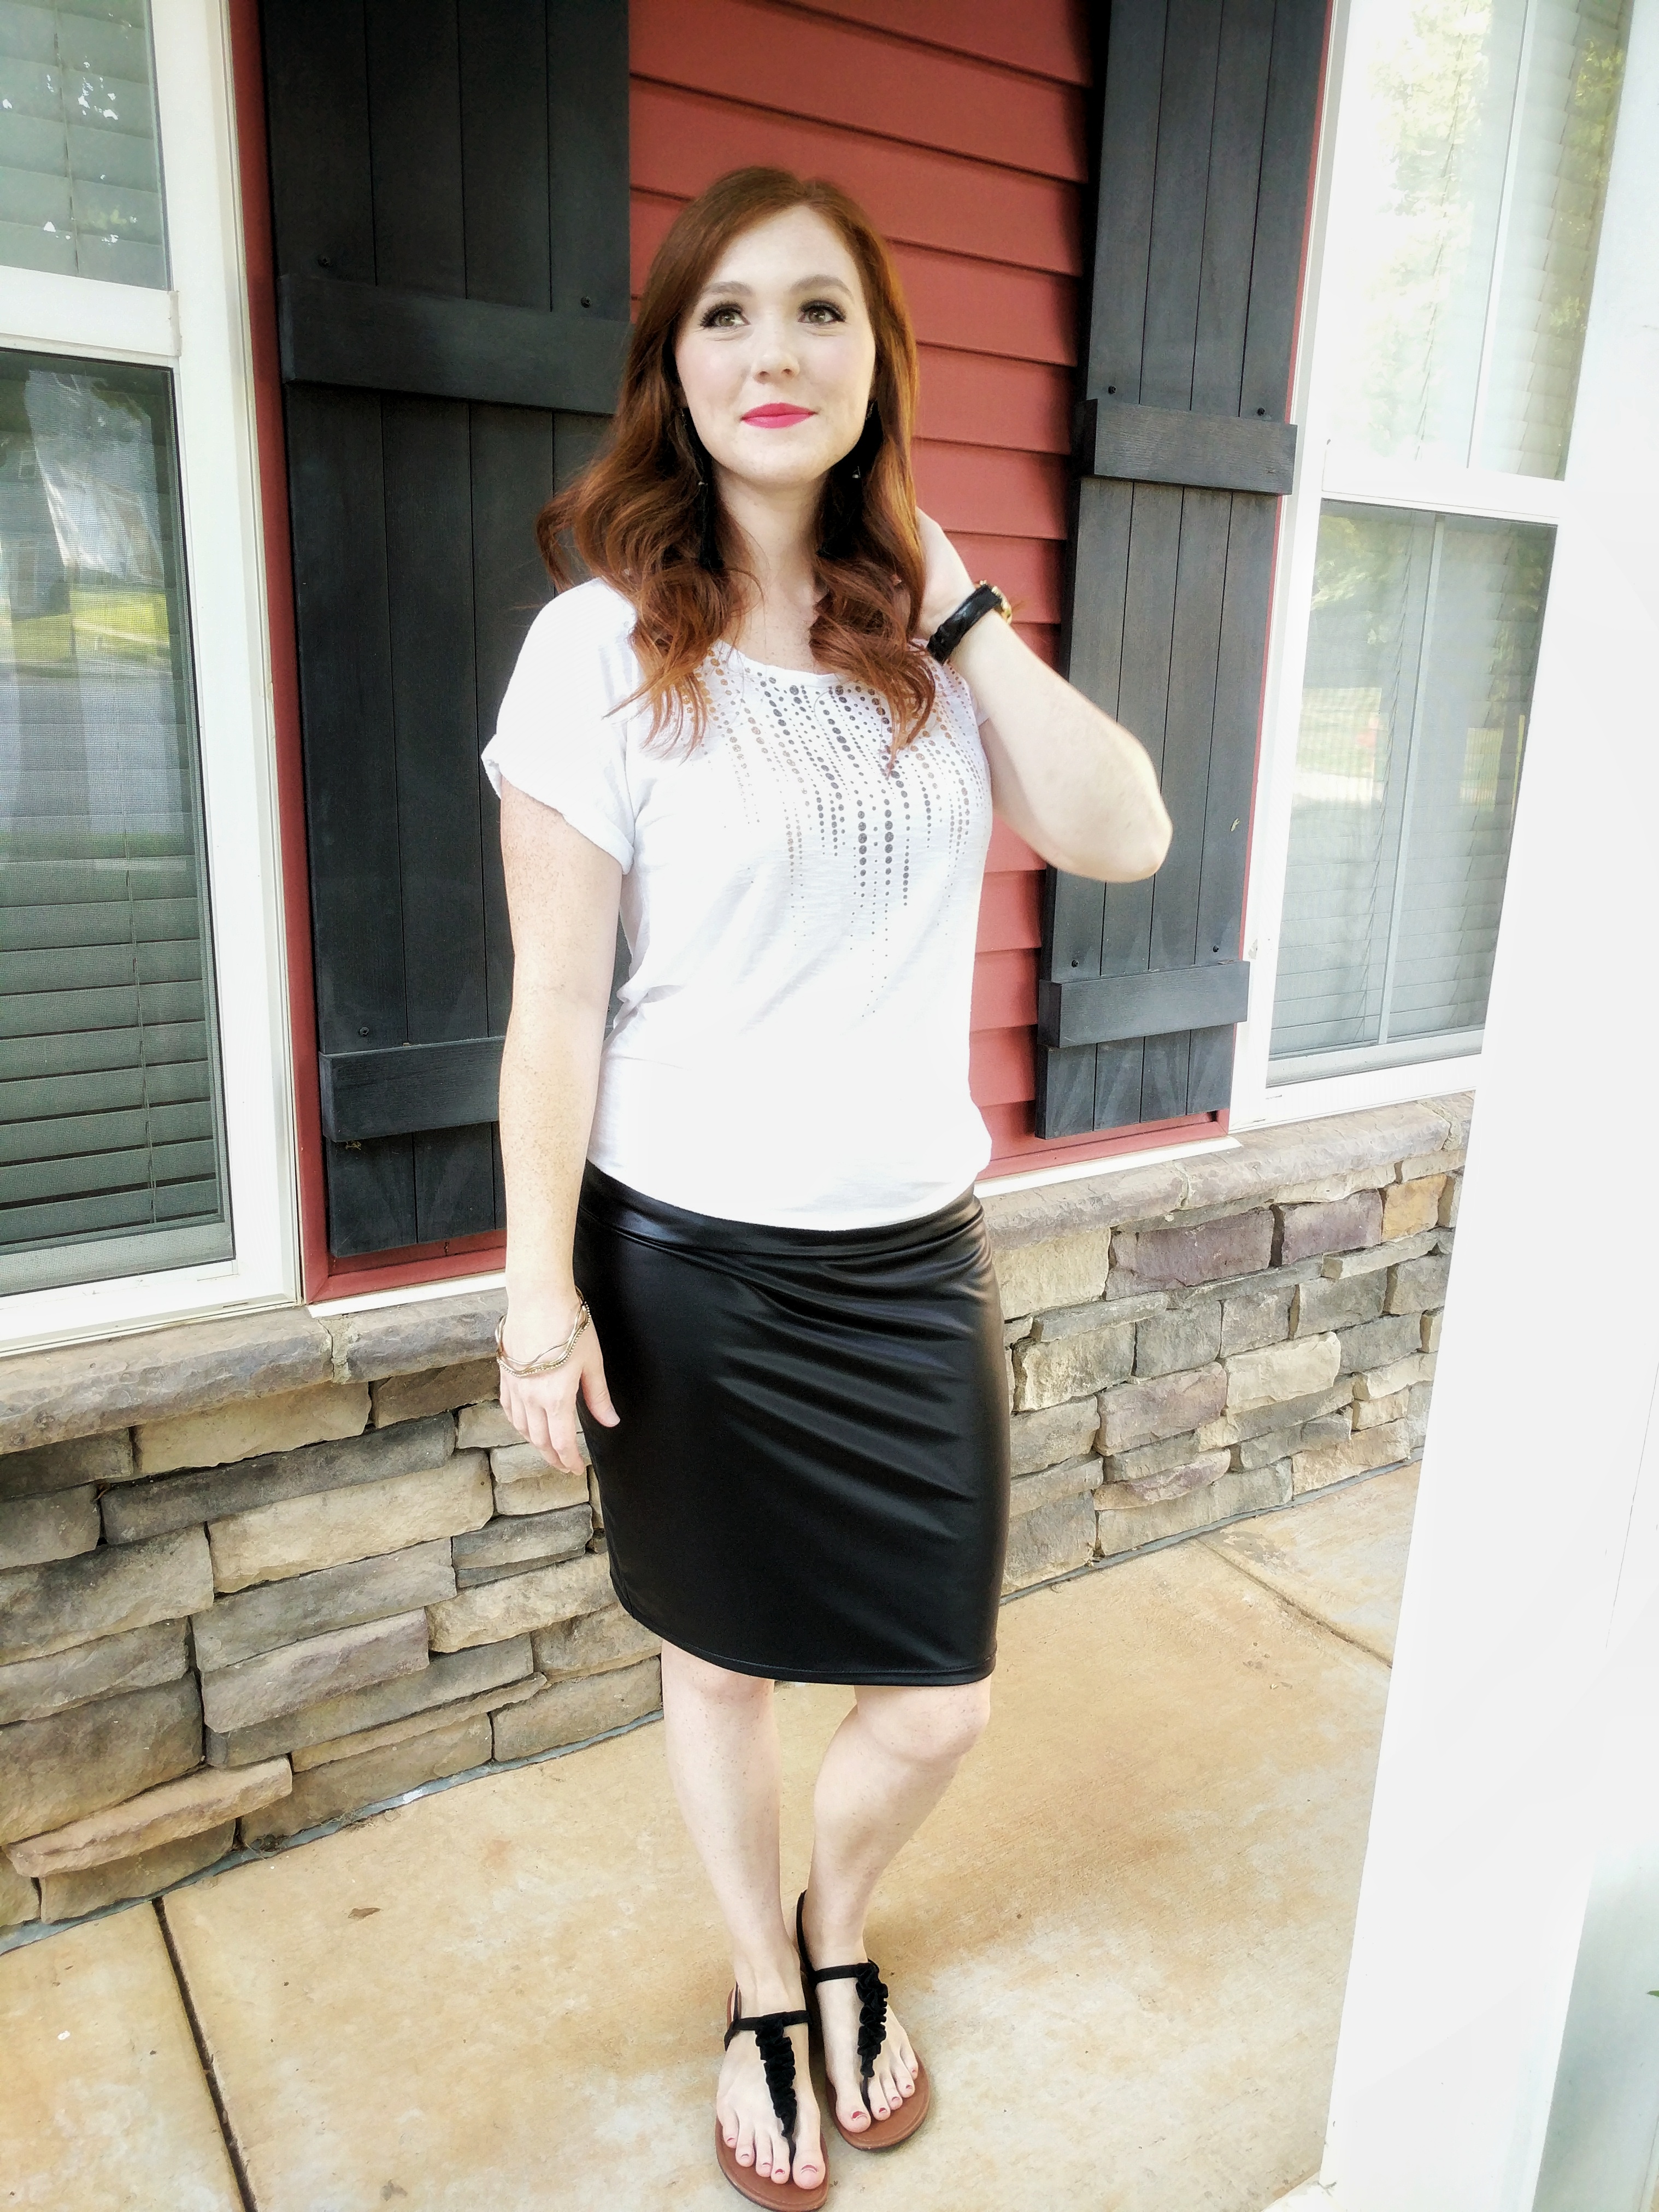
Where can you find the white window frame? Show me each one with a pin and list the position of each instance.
(199, 331)
(1324, 471)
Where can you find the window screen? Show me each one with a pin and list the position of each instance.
(112, 1151)
(1414, 706)
(79, 172)
(1468, 235)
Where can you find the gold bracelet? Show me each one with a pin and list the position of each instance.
(551, 1361)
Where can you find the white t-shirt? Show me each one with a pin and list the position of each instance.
(791, 1046)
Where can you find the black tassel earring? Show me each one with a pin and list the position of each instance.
(708, 532)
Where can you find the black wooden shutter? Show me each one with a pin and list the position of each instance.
(450, 189)
(1207, 123)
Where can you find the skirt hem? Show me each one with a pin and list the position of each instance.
(850, 1678)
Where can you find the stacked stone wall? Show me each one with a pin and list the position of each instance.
(1172, 1370)
(313, 1568)
(384, 1587)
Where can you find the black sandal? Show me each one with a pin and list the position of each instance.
(907, 2115)
(778, 2056)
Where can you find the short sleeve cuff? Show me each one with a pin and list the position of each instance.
(586, 820)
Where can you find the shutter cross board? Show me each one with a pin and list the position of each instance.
(1207, 120)
(449, 190)
(1109, 1009)
(1174, 446)
(384, 341)
(409, 1087)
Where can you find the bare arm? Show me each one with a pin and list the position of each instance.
(562, 893)
(1071, 781)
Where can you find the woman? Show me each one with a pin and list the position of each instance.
(734, 735)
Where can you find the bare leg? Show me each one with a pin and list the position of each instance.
(887, 1766)
(722, 1745)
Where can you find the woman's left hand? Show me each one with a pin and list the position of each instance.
(945, 580)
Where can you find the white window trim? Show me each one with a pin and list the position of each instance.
(1287, 647)
(1325, 471)
(199, 330)
(1427, 484)
(52, 313)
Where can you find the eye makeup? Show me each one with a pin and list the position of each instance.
(821, 313)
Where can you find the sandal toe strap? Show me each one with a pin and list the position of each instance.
(873, 2008)
(873, 1996)
(769, 2030)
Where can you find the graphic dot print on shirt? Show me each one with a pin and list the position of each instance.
(813, 763)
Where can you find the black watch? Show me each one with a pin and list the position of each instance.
(984, 600)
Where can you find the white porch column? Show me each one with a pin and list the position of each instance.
(1497, 2028)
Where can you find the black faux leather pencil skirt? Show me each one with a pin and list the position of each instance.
(809, 1480)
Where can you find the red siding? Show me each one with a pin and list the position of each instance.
(960, 125)
(911, 191)
(864, 78)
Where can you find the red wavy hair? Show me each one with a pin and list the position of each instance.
(644, 514)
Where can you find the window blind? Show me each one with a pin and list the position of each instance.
(1561, 142)
(80, 168)
(110, 1128)
(1419, 684)
(1469, 223)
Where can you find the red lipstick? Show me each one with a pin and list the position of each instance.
(776, 414)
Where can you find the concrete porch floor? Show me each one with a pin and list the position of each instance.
(1121, 1943)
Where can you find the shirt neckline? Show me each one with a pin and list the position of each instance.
(820, 676)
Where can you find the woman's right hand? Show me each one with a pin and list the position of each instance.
(543, 1407)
